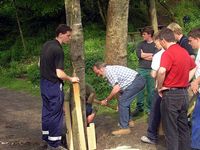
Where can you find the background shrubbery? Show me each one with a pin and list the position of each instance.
(39, 24)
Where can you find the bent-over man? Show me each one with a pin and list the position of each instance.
(125, 82)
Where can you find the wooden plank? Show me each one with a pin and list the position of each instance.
(91, 137)
(78, 109)
(69, 138)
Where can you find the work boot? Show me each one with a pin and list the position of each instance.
(131, 124)
(136, 112)
(122, 131)
(56, 148)
(145, 139)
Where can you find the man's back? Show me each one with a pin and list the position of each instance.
(178, 63)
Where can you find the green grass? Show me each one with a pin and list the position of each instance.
(19, 85)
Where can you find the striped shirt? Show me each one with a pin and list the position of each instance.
(120, 75)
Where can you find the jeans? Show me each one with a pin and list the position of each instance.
(174, 107)
(149, 90)
(154, 118)
(125, 99)
(196, 125)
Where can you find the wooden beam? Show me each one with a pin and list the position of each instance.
(91, 137)
(69, 138)
(79, 114)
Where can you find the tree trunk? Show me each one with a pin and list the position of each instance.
(102, 12)
(73, 13)
(116, 32)
(152, 10)
(19, 26)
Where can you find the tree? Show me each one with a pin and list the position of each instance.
(73, 12)
(152, 10)
(19, 26)
(116, 32)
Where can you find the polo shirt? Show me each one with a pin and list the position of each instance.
(177, 63)
(51, 58)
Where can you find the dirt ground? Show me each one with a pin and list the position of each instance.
(20, 126)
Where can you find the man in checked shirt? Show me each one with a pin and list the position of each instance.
(126, 83)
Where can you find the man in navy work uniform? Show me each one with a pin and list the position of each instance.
(125, 82)
(51, 85)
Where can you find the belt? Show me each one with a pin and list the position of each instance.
(178, 88)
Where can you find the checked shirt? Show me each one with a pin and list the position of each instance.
(120, 75)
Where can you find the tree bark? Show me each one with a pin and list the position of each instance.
(73, 18)
(152, 10)
(116, 32)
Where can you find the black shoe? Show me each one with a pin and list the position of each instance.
(136, 112)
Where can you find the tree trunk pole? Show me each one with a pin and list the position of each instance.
(117, 32)
(153, 13)
(19, 26)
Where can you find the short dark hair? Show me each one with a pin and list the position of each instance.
(195, 33)
(62, 28)
(148, 30)
(167, 35)
(100, 65)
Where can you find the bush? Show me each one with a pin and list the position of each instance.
(33, 74)
(16, 70)
(5, 58)
(190, 9)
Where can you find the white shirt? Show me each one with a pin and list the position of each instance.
(156, 60)
(197, 61)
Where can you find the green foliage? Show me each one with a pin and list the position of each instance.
(16, 70)
(94, 51)
(33, 74)
(188, 8)
(132, 57)
(5, 58)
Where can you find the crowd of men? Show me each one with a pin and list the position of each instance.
(167, 65)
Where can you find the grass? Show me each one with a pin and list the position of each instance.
(19, 85)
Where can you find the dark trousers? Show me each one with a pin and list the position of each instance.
(154, 118)
(52, 112)
(174, 107)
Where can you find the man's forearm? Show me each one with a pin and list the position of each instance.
(114, 91)
(62, 75)
(191, 73)
(161, 77)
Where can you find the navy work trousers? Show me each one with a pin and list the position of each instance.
(52, 111)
